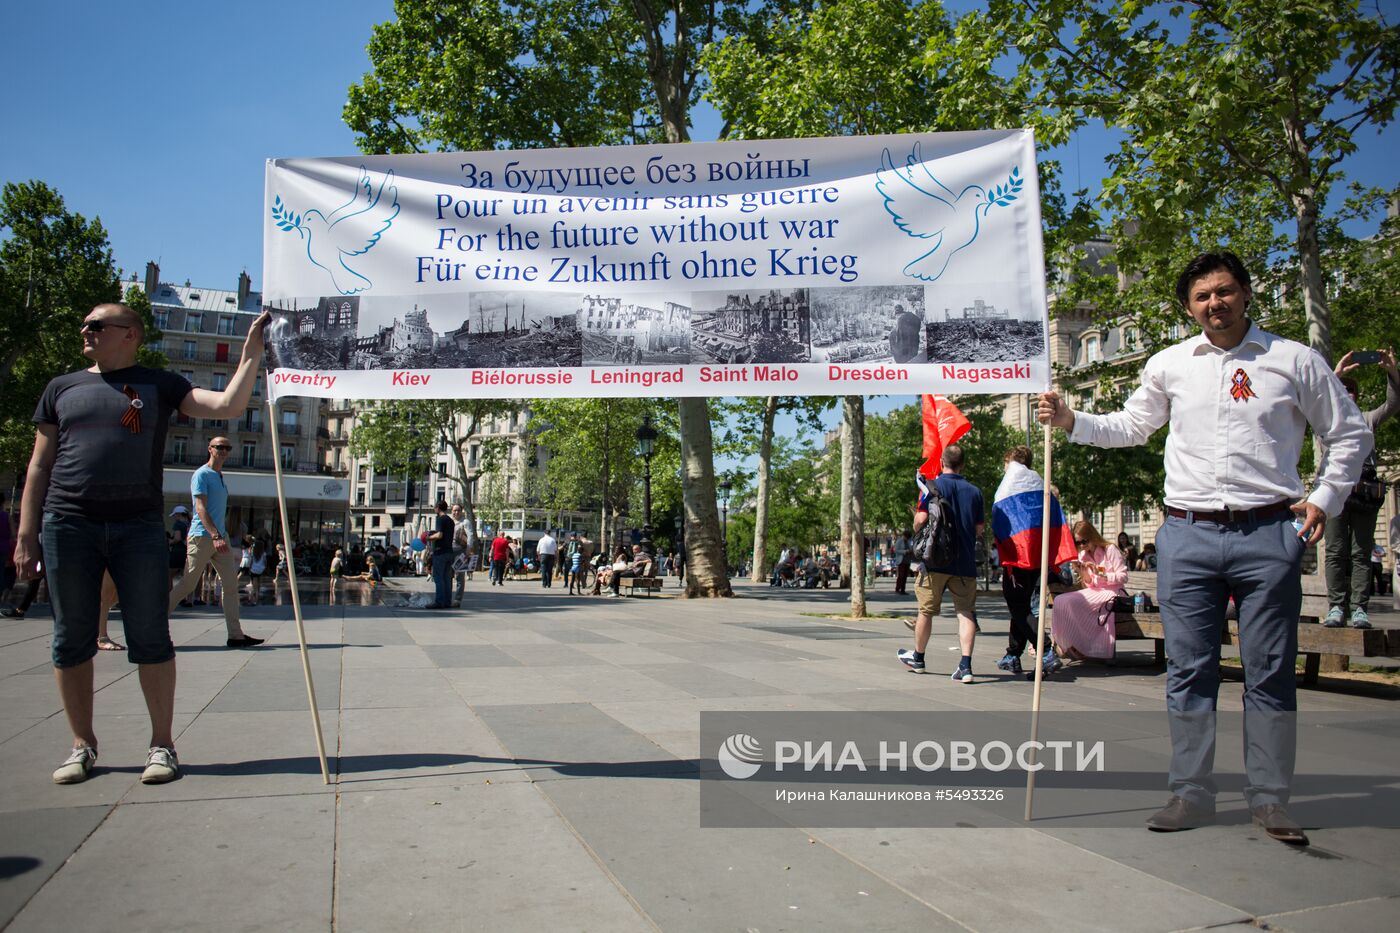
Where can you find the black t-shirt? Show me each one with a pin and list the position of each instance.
(104, 470)
(445, 528)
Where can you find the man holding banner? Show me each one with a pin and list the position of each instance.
(95, 476)
(1238, 399)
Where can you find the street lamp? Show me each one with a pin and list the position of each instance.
(646, 440)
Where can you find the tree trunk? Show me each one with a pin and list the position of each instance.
(705, 573)
(843, 545)
(1316, 311)
(760, 521)
(854, 430)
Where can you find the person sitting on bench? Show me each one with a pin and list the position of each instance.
(642, 565)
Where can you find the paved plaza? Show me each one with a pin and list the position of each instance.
(532, 763)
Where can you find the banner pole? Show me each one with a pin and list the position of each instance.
(1040, 620)
(296, 597)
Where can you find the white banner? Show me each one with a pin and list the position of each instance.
(848, 265)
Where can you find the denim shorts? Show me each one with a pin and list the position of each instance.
(134, 552)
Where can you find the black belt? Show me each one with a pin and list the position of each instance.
(1231, 516)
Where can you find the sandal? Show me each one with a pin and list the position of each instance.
(106, 644)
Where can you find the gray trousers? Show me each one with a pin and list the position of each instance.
(1350, 537)
(1199, 566)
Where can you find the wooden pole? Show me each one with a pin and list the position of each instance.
(296, 597)
(1045, 528)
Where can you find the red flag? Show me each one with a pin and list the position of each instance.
(943, 424)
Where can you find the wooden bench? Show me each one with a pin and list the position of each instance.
(643, 583)
(1323, 649)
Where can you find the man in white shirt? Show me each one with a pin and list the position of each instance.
(1238, 400)
(548, 551)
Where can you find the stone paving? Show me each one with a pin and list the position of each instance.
(531, 763)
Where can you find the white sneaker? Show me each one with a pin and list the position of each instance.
(161, 766)
(77, 767)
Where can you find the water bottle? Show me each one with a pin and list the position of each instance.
(1140, 602)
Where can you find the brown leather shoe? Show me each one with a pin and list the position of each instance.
(1180, 814)
(1274, 820)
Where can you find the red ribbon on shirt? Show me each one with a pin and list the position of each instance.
(131, 418)
(1240, 390)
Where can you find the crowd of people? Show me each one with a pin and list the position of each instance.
(1238, 521)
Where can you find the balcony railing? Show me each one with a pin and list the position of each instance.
(288, 430)
(256, 465)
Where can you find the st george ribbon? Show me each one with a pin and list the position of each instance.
(904, 264)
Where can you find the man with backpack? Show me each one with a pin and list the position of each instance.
(945, 559)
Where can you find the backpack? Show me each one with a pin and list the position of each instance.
(936, 542)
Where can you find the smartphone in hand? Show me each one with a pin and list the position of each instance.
(1364, 357)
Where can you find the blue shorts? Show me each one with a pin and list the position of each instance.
(134, 552)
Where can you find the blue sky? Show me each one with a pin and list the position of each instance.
(157, 116)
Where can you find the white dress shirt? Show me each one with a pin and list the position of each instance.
(1225, 452)
(547, 546)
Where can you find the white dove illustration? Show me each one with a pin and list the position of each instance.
(925, 208)
(350, 230)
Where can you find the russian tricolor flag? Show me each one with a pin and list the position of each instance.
(1016, 520)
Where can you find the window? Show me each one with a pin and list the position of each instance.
(226, 324)
(345, 314)
(1091, 350)
(257, 387)
(289, 456)
(289, 419)
(1174, 332)
(194, 321)
(360, 496)
(250, 453)
(220, 353)
(189, 376)
(162, 318)
(191, 350)
(251, 421)
(1130, 339)
(474, 456)
(218, 381)
(179, 449)
(364, 474)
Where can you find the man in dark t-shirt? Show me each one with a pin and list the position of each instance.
(444, 529)
(95, 479)
(959, 577)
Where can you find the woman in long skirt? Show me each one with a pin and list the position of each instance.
(1081, 621)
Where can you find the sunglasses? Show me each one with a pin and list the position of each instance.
(224, 447)
(97, 327)
(1080, 543)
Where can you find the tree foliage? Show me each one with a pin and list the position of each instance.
(1235, 115)
(55, 265)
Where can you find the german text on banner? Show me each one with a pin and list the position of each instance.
(903, 264)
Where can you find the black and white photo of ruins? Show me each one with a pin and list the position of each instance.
(868, 324)
(634, 330)
(984, 328)
(761, 326)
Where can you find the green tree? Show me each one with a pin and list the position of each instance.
(1231, 111)
(595, 464)
(55, 265)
